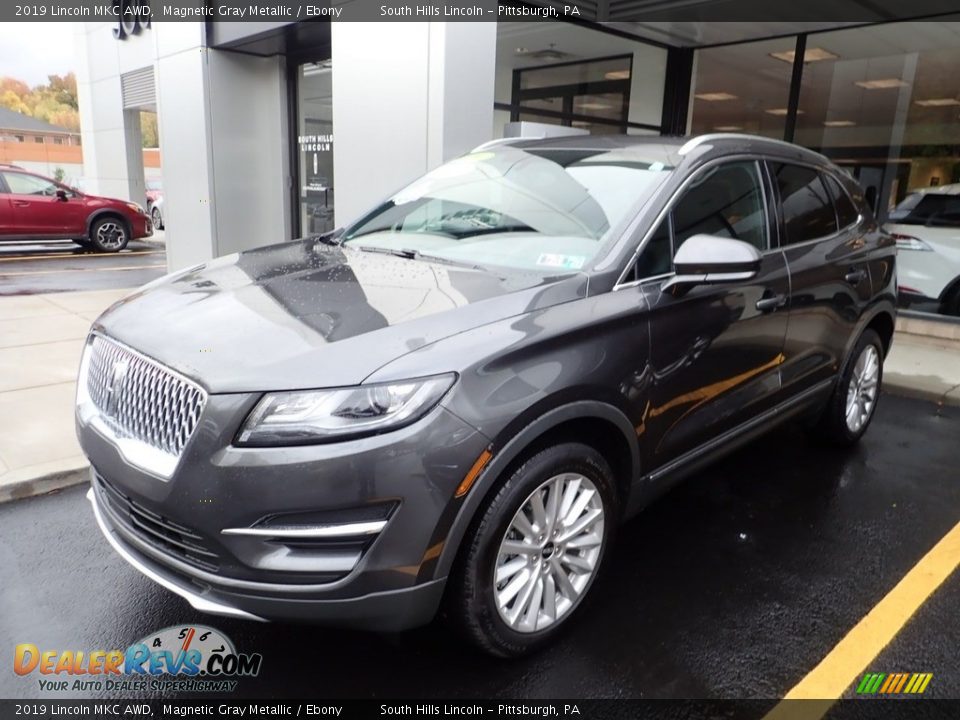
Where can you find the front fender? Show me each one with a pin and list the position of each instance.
(509, 451)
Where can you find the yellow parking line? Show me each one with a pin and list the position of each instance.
(77, 255)
(850, 658)
(69, 270)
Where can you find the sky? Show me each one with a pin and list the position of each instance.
(30, 51)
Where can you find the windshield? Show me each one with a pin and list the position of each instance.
(928, 209)
(539, 209)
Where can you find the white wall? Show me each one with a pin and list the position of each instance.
(223, 133)
(406, 96)
(248, 127)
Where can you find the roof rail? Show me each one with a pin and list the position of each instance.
(700, 139)
(501, 141)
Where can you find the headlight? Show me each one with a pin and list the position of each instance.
(909, 242)
(316, 416)
(136, 208)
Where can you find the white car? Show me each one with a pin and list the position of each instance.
(926, 225)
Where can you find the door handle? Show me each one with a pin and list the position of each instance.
(21, 203)
(855, 277)
(773, 302)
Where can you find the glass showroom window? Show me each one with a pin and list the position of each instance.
(743, 88)
(885, 105)
(594, 95)
(315, 146)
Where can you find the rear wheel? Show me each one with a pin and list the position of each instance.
(109, 234)
(854, 399)
(535, 551)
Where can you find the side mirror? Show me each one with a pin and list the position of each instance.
(62, 195)
(709, 260)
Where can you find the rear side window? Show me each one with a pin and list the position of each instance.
(807, 208)
(846, 212)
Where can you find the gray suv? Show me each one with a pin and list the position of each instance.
(454, 401)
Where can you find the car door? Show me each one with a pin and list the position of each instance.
(6, 211)
(35, 208)
(715, 351)
(829, 275)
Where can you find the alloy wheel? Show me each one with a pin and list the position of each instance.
(549, 553)
(111, 235)
(862, 390)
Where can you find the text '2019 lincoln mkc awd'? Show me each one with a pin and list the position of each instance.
(454, 401)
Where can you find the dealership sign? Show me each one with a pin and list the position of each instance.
(132, 17)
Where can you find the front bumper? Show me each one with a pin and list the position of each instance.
(386, 582)
(386, 611)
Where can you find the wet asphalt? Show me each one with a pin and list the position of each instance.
(64, 266)
(734, 585)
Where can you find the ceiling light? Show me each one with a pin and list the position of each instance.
(715, 96)
(839, 123)
(521, 49)
(618, 75)
(882, 84)
(728, 128)
(937, 102)
(593, 106)
(810, 55)
(781, 111)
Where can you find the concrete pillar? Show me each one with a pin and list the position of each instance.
(406, 98)
(224, 143)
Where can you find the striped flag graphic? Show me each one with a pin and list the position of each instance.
(894, 683)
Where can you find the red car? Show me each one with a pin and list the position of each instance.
(33, 207)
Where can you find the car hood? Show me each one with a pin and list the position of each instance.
(305, 314)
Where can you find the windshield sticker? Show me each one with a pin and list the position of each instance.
(567, 262)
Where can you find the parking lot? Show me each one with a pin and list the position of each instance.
(30, 269)
(734, 585)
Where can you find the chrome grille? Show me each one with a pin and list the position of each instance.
(140, 399)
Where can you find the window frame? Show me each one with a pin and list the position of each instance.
(827, 176)
(666, 214)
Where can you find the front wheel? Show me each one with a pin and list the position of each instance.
(157, 218)
(535, 550)
(854, 400)
(109, 234)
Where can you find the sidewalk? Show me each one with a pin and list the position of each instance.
(41, 337)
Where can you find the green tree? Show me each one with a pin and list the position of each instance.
(148, 129)
(55, 102)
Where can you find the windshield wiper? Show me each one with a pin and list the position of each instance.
(410, 254)
(398, 252)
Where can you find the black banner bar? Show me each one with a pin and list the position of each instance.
(152, 11)
(861, 709)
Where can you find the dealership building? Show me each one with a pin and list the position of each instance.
(274, 130)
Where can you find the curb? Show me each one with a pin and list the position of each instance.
(948, 397)
(31, 487)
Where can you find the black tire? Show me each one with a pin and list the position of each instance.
(832, 427)
(109, 234)
(951, 306)
(156, 218)
(471, 597)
